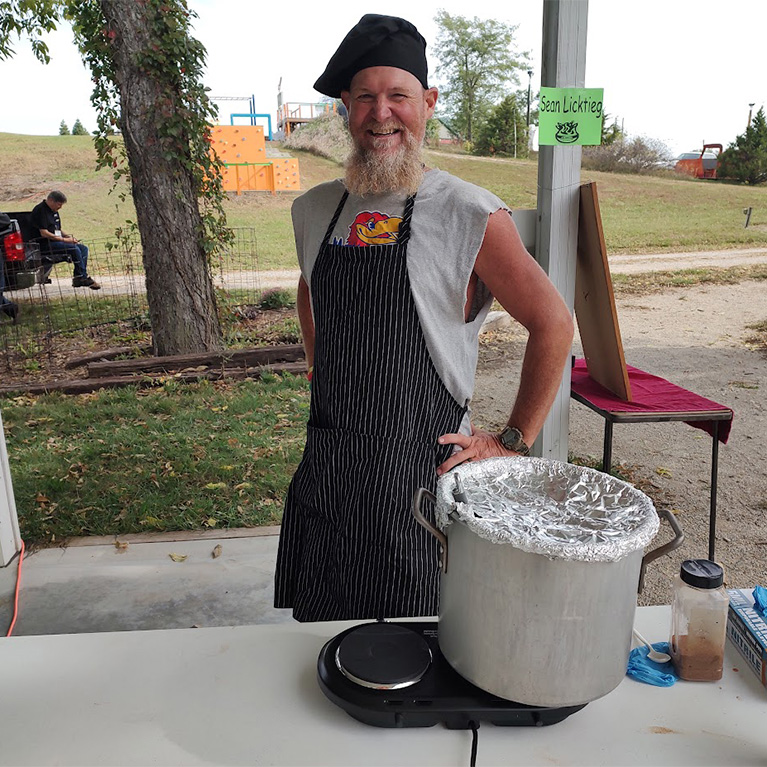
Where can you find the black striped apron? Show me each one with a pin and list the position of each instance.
(349, 545)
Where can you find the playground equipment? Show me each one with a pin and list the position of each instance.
(251, 113)
(291, 115)
(253, 116)
(242, 149)
(701, 165)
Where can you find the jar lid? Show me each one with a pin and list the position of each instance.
(702, 573)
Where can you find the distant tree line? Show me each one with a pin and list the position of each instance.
(745, 159)
(77, 129)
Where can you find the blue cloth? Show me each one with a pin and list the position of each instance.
(648, 671)
(760, 601)
(74, 250)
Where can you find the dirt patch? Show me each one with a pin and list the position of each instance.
(44, 361)
(698, 338)
(21, 187)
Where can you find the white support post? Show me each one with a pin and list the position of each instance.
(559, 176)
(10, 537)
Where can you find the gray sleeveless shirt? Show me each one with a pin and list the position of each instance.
(448, 226)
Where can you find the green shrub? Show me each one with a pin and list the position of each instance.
(637, 155)
(277, 298)
(504, 132)
(745, 160)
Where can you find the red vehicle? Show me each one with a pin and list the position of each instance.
(19, 259)
(701, 165)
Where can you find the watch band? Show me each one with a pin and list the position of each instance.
(511, 438)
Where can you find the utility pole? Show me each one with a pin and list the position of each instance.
(559, 178)
(529, 83)
(750, 107)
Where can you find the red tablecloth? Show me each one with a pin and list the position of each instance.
(650, 394)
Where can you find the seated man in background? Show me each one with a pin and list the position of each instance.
(46, 220)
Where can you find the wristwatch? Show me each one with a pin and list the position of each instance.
(511, 439)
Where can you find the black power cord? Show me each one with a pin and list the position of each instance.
(474, 742)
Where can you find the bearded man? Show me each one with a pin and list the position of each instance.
(399, 267)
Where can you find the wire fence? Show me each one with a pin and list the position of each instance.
(56, 319)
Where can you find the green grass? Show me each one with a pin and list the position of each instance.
(641, 214)
(655, 282)
(201, 456)
(31, 166)
(182, 457)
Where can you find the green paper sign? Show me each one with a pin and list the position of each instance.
(570, 116)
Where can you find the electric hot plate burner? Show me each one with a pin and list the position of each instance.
(394, 675)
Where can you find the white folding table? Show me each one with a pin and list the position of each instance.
(249, 696)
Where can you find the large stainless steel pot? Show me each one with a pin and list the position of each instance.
(528, 614)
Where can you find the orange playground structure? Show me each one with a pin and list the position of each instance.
(242, 149)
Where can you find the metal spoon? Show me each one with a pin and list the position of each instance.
(653, 654)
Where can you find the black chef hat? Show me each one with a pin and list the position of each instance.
(375, 41)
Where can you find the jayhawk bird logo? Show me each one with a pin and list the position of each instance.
(374, 229)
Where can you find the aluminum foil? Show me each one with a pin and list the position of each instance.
(556, 509)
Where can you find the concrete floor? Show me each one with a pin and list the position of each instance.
(93, 585)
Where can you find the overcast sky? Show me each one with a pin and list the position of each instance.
(682, 71)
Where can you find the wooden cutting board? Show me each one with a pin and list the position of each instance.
(595, 301)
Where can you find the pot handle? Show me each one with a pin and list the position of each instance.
(675, 543)
(418, 498)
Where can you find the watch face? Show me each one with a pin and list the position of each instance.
(511, 439)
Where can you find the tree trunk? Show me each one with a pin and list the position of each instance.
(182, 303)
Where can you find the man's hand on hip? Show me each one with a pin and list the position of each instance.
(481, 444)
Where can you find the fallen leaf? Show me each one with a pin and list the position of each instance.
(215, 486)
(210, 522)
(216, 553)
(121, 545)
(663, 471)
(178, 557)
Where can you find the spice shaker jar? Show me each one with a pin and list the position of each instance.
(699, 621)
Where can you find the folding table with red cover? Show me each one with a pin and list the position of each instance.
(653, 399)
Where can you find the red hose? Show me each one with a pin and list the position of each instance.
(16, 596)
